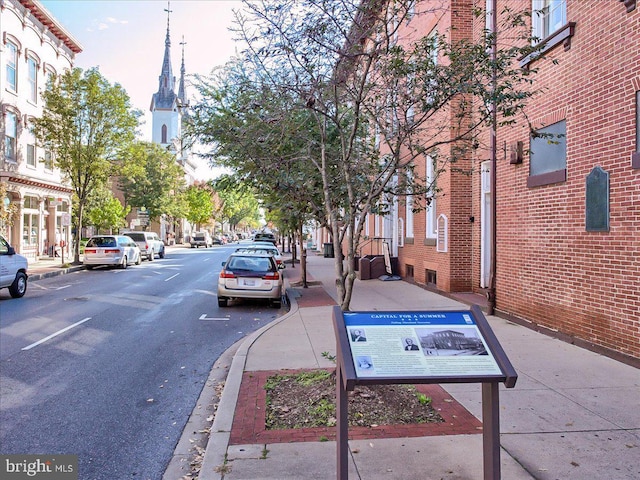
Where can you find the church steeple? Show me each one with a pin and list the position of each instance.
(165, 97)
(181, 93)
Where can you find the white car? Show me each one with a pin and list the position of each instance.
(118, 250)
(13, 270)
(264, 247)
(149, 243)
(250, 275)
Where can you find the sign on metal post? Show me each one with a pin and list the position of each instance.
(421, 347)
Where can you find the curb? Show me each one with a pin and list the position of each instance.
(215, 457)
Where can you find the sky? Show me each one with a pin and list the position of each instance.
(125, 40)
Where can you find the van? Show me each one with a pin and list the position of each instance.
(13, 270)
(201, 239)
(149, 243)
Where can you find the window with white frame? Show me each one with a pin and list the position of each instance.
(31, 221)
(548, 16)
(367, 221)
(400, 232)
(548, 153)
(12, 67)
(376, 225)
(32, 78)
(432, 226)
(408, 212)
(488, 15)
(31, 155)
(10, 135)
(48, 160)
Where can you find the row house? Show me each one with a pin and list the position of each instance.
(33, 46)
(548, 229)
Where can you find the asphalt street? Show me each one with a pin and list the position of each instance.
(108, 364)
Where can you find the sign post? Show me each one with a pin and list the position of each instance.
(420, 347)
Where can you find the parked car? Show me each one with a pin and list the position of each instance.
(13, 270)
(201, 239)
(250, 275)
(265, 237)
(149, 243)
(118, 250)
(264, 247)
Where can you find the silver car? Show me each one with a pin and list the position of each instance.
(250, 275)
(118, 250)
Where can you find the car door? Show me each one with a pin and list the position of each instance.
(7, 264)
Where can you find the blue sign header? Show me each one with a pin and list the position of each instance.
(409, 318)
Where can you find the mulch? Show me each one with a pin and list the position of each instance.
(249, 421)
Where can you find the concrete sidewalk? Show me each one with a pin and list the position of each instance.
(572, 415)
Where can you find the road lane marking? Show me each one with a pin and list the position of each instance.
(29, 347)
(63, 287)
(204, 317)
(172, 277)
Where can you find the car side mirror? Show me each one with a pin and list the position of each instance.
(11, 251)
(224, 263)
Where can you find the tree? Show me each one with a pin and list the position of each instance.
(105, 212)
(200, 203)
(86, 123)
(8, 211)
(371, 106)
(236, 201)
(151, 178)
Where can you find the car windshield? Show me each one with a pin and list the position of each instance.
(101, 242)
(138, 237)
(251, 264)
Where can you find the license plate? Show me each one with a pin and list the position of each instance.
(248, 282)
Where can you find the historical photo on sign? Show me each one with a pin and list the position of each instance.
(450, 341)
(410, 345)
(358, 335)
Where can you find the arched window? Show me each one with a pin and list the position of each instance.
(164, 134)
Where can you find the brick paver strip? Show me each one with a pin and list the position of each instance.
(249, 420)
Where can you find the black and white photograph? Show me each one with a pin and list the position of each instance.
(450, 342)
(357, 335)
(364, 362)
(410, 345)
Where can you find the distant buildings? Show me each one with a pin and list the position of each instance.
(33, 46)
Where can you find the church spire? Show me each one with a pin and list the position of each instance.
(181, 92)
(165, 96)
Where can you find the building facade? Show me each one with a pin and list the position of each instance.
(34, 45)
(555, 235)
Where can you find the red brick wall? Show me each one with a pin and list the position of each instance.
(551, 271)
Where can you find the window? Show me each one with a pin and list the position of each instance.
(31, 220)
(164, 134)
(409, 206)
(431, 230)
(488, 15)
(548, 157)
(548, 17)
(12, 66)
(48, 160)
(32, 71)
(31, 155)
(10, 135)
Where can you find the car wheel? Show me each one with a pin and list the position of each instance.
(19, 286)
(89, 267)
(139, 260)
(276, 303)
(161, 255)
(125, 263)
(150, 256)
(222, 302)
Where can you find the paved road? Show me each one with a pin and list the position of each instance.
(108, 364)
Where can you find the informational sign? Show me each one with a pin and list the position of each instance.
(418, 344)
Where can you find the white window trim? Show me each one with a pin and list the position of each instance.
(431, 210)
(541, 28)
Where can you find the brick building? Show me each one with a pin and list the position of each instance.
(567, 205)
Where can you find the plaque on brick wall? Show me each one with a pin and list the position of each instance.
(597, 201)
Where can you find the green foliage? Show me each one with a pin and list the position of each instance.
(200, 204)
(236, 201)
(151, 178)
(7, 212)
(105, 212)
(86, 123)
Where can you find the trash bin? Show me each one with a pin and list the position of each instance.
(328, 250)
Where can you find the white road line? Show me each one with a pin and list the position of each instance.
(204, 317)
(172, 277)
(29, 347)
(63, 287)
